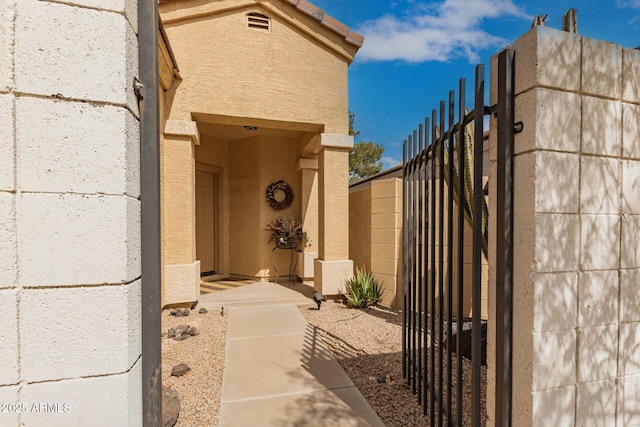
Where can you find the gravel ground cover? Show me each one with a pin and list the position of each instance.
(200, 389)
(367, 343)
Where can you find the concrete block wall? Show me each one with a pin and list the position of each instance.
(69, 213)
(375, 234)
(577, 221)
(375, 241)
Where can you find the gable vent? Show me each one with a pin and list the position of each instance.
(259, 21)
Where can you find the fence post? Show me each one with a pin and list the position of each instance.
(504, 237)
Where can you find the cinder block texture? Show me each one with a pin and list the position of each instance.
(552, 120)
(78, 332)
(547, 57)
(630, 186)
(631, 131)
(9, 360)
(629, 354)
(596, 404)
(597, 353)
(600, 248)
(102, 52)
(631, 75)
(600, 129)
(601, 68)
(599, 179)
(555, 298)
(630, 245)
(630, 295)
(114, 400)
(556, 182)
(7, 143)
(554, 407)
(554, 361)
(556, 242)
(598, 298)
(8, 251)
(70, 239)
(628, 392)
(9, 394)
(128, 7)
(77, 147)
(7, 16)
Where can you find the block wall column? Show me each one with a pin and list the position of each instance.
(333, 265)
(180, 267)
(70, 304)
(576, 326)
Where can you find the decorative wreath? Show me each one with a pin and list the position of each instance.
(288, 195)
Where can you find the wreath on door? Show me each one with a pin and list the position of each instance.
(279, 195)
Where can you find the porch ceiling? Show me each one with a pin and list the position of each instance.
(235, 132)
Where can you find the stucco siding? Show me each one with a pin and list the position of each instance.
(281, 74)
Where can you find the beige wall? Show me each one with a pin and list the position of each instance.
(375, 224)
(232, 70)
(576, 325)
(375, 230)
(290, 82)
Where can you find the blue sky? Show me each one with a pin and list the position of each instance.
(415, 51)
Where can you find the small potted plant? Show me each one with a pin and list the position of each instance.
(286, 232)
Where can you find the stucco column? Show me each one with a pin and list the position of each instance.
(333, 265)
(180, 267)
(308, 169)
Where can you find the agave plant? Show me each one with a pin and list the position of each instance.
(363, 289)
(452, 182)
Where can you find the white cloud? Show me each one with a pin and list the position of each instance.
(628, 3)
(436, 31)
(389, 162)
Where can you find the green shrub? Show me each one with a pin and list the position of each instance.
(363, 289)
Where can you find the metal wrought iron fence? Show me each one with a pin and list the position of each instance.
(444, 195)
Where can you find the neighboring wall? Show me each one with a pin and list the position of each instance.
(375, 237)
(375, 234)
(576, 326)
(69, 213)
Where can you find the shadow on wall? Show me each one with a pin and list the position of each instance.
(577, 228)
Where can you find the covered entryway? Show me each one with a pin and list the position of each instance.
(259, 104)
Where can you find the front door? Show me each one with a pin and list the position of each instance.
(206, 221)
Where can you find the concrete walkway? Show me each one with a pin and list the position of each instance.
(278, 372)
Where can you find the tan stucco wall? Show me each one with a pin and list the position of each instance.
(281, 74)
(254, 164)
(334, 204)
(290, 80)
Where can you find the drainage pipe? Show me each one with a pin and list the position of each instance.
(150, 213)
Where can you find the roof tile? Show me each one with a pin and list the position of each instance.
(310, 9)
(354, 38)
(335, 25)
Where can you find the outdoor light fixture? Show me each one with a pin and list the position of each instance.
(251, 127)
(318, 298)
